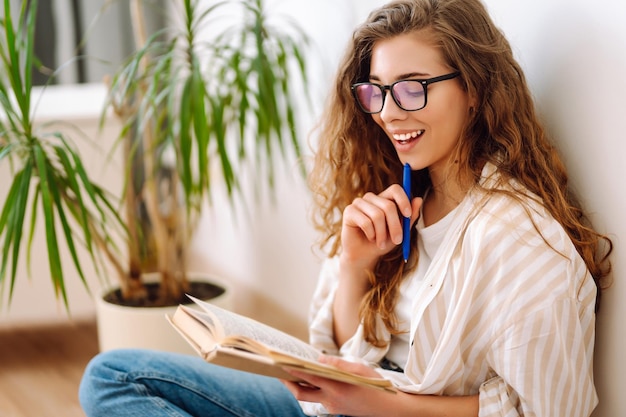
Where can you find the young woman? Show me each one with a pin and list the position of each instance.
(492, 315)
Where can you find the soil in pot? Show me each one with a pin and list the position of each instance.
(201, 290)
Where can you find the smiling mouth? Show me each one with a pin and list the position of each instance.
(406, 137)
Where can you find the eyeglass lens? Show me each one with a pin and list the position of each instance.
(408, 94)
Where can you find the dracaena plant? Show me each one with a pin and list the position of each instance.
(194, 109)
(47, 177)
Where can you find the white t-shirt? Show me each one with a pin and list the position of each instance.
(428, 241)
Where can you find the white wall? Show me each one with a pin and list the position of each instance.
(574, 55)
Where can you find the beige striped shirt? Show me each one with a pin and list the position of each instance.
(504, 311)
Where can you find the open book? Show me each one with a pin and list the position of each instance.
(234, 341)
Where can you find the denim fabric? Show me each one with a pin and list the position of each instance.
(144, 383)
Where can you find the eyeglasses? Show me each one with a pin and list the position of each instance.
(409, 95)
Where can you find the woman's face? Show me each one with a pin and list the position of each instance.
(423, 138)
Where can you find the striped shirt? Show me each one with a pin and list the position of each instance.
(504, 311)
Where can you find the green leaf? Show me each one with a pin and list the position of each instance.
(185, 144)
(47, 205)
(17, 219)
(77, 206)
(8, 225)
(33, 223)
(58, 185)
(200, 125)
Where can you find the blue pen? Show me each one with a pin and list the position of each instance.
(406, 221)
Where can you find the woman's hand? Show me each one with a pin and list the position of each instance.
(372, 225)
(353, 400)
(339, 397)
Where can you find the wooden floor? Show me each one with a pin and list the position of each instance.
(41, 367)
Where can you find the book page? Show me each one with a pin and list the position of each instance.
(237, 325)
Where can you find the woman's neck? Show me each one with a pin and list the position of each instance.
(445, 193)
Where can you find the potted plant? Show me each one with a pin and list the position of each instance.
(194, 110)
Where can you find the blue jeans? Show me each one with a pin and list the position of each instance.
(142, 383)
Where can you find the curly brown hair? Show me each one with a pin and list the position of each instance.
(354, 156)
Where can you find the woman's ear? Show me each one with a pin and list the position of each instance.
(473, 103)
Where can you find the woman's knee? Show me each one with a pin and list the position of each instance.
(103, 378)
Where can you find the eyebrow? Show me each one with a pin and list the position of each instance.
(403, 76)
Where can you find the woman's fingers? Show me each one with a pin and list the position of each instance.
(339, 398)
(384, 212)
(372, 224)
(416, 204)
(379, 217)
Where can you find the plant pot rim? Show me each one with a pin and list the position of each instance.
(152, 278)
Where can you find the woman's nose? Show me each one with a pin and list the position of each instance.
(391, 110)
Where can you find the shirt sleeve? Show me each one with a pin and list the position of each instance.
(322, 337)
(542, 364)
(321, 310)
(497, 399)
(321, 334)
(540, 314)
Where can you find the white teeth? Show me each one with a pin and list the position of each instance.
(407, 136)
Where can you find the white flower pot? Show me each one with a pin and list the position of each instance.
(146, 327)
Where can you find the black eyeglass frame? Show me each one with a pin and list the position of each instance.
(389, 87)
